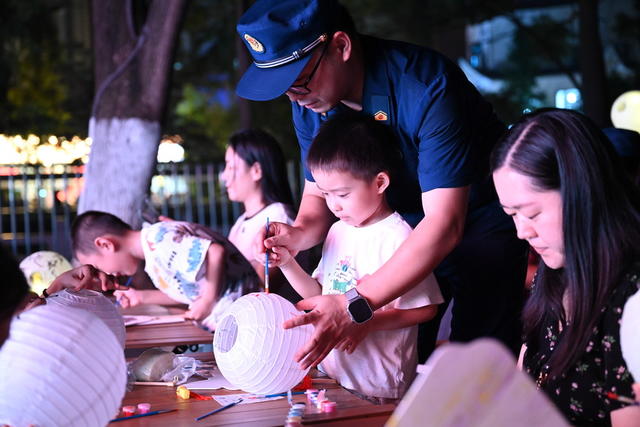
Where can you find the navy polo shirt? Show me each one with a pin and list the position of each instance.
(445, 128)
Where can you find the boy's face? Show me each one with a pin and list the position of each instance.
(116, 262)
(355, 201)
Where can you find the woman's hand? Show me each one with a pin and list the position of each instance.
(85, 277)
(329, 316)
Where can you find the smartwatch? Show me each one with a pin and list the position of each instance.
(357, 306)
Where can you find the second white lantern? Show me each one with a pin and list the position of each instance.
(253, 351)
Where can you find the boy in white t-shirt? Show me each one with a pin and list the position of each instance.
(352, 162)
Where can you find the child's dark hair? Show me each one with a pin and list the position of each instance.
(356, 144)
(16, 287)
(257, 146)
(91, 225)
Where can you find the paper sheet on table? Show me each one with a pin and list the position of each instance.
(217, 381)
(246, 398)
(474, 384)
(130, 320)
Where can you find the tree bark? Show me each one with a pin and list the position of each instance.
(594, 82)
(132, 73)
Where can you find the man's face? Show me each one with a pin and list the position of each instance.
(324, 81)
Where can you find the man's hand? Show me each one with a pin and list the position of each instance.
(329, 316)
(354, 336)
(85, 277)
(199, 309)
(129, 298)
(280, 234)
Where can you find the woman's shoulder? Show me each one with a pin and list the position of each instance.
(277, 212)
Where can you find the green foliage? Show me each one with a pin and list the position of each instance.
(205, 126)
(39, 92)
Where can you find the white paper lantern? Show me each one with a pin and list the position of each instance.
(60, 367)
(253, 351)
(97, 304)
(625, 111)
(40, 268)
(630, 335)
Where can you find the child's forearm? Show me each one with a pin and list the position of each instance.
(214, 273)
(148, 296)
(396, 318)
(304, 284)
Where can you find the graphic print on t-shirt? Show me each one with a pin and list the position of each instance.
(342, 277)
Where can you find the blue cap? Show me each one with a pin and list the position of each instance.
(280, 35)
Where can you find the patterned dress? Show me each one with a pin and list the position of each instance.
(580, 392)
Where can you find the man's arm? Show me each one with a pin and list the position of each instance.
(429, 243)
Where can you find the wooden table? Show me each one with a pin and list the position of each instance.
(351, 410)
(170, 334)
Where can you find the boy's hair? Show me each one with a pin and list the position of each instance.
(356, 144)
(92, 224)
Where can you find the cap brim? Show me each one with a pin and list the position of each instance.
(264, 84)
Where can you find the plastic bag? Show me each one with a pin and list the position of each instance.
(159, 365)
(184, 367)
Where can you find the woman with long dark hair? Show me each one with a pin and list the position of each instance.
(558, 177)
(255, 175)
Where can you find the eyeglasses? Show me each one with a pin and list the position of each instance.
(303, 89)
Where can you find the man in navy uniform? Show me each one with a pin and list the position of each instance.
(310, 51)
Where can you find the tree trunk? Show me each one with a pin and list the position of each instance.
(594, 83)
(132, 73)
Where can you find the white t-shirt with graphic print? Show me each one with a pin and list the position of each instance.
(384, 363)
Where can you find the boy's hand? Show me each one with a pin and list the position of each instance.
(280, 234)
(199, 309)
(279, 256)
(354, 336)
(85, 277)
(129, 298)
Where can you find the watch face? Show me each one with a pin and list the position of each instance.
(360, 310)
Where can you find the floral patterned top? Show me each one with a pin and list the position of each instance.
(580, 392)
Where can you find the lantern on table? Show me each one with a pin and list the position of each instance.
(97, 304)
(60, 367)
(252, 349)
(42, 267)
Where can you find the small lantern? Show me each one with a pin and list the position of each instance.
(42, 267)
(95, 303)
(252, 349)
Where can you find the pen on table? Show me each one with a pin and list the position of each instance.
(280, 394)
(219, 409)
(622, 399)
(130, 417)
(266, 264)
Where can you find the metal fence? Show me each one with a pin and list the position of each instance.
(37, 203)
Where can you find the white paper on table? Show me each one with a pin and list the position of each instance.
(131, 320)
(217, 381)
(246, 398)
(630, 335)
(474, 384)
